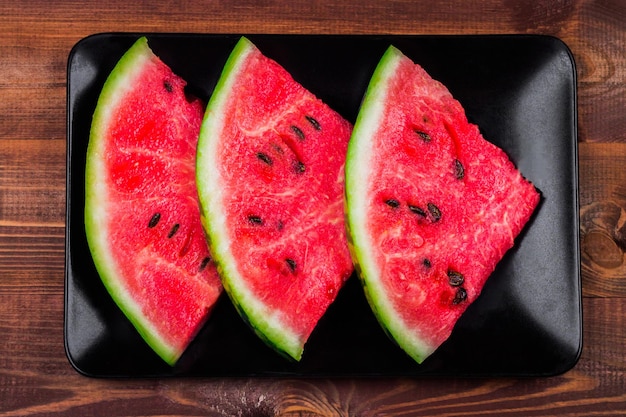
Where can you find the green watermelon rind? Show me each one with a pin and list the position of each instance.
(266, 325)
(358, 160)
(120, 80)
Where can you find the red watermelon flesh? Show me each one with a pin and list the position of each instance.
(141, 212)
(271, 181)
(432, 205)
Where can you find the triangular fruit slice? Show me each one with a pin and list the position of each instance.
(431, 205)
(142, 216)
(270, 177)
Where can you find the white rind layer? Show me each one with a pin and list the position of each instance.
(360, 156)
(121, 80)
(267, 324)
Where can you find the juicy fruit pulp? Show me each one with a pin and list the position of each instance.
(270, 176)
(431, 206)
(141, 211)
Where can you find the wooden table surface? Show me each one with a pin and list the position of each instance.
(36, 378)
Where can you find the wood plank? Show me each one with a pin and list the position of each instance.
(32, 190)
(301, 16)
(603, 218)
(597, 44)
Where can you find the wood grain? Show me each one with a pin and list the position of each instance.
(603, 218)
(37, 380)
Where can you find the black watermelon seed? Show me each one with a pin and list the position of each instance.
(460, 296)
(423, 135)
(315, 123)
(168, 86)
(173, 231)
(299, 167)
(455, 278)
(417, 210)
(154, 220)
(291, 264)
(459, 170)
(426, 263)
(256, 220)
(392, 203)
(434, 211)
(204, 264)
(265, 158)
(299, 133)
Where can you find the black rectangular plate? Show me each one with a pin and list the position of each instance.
(520, 90)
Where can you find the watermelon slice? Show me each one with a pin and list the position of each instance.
(270, 174)
(142, 215)
(432, 206)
